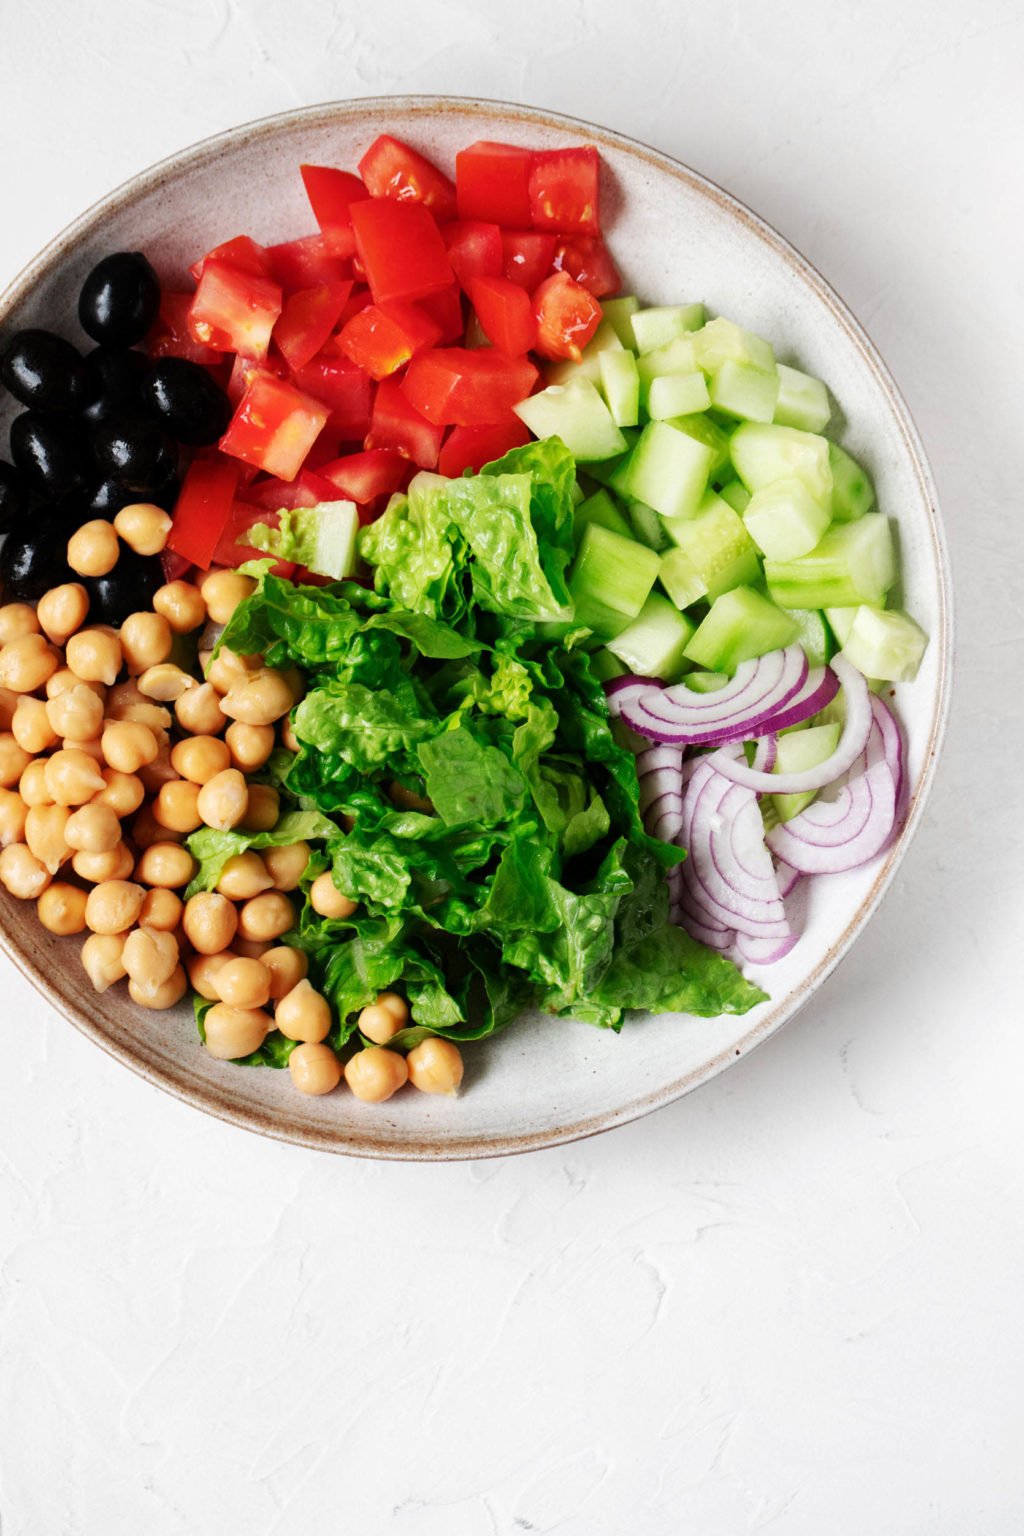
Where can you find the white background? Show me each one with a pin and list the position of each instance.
(792, 1303)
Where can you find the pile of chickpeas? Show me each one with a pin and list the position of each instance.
(112, 751)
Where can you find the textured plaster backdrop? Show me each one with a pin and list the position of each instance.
(788, 1304)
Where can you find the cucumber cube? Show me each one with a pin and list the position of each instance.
(611, 580)
(886, 645)
(706, 682)
(717, 546)
(604, 339)
(677, 394)
(784, 520)
(599, 508)
(840, 621)
(655, 643)
(740, 625)
(669, 469)
(604, 666)
(736, 494)
(675, 357)
(852, 491)
(762, 454)
(797, 750)
(576, 413)
(648, 526)
(620, 385)
(654, 327)
(619, 314)
(681, 579)
(701, 427)
(605, 471)
(802, 402)
(720, 341)
(854, 563)
(743, 391)
(813, 635)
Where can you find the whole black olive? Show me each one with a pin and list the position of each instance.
(44, 371)
(135, 453)
(13, 496)
(186, 401)
(110, 496)
(119, 300)
(51, 454)
(34, 557)
(115, 381)
(128, 588)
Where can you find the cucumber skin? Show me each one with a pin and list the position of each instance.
(741, 624)
(654, 645)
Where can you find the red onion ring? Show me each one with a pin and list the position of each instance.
(757, 692)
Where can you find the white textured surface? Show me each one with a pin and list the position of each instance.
(790, 1303)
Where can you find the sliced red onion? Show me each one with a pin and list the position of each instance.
(787, 877)
(765, 951)
(715, 938)
(831, 836)
(729, 874)
(893, 739)
(658, 770)
(757, 692)
(621, 689)
(766, 752)
(820, 689)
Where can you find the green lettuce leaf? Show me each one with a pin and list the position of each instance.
(213, 849)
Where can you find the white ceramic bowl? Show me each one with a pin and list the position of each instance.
(676, 237)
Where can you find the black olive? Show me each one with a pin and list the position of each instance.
(34, 556)
(115, 383)
(110, 496)
(128, 588)
(44, 371)
(186, 401)
(135, 453)
(119, 300)
(51, 454)
(13, 496)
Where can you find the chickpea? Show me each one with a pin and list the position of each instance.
(181, 604)
(325, 898)
(143, 527)
(31, 727)
(203, 971)
(93, 829)
(374, 1074)
(210, 922)
(146, 640)
(166, 864)
(118, 864)
(252, 949)
(122, 792)
(165, 682)
(198, 711)
(13, 812)
(17, 619)
(94, 655)
(63, 610)
(244, 876)
(126, 701)
(22, 873)
(161, 909)
(102, 958)
(235, 1032)
(146, 830)
(244, 984)
(61, 908)
(14, 759)
(150, 957)
(128, 745)
(249, 745)
(32, 785)
(27, 663)
(113, 906)
(303, 1014)
(72, 776)
(200, 758)
(227, 670)
(435, 1066)
(93, 749)
(176, 806)
(260, 698)
(64, 678)
(223, 591)
(93, 549)
(287, 968)
(314, 1068)
(8, 704)
(263, 809)
(166, 996)
(46, 835)
(160, 772)
(266, 917)
(224, 800)
(289, 740)
(76, 713)
(287, 865)
(382, 1020)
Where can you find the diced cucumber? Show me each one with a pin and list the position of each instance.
(654, 644)
(620, 385)
(802, 402)
(619, 314)
(852, 491)
(654, 327)
(607, 470)
(604, 666)
(701, 427)
(647, 526)
(746, 392)
(721, 341)
(599, 508)
(784, 519)
(681, 579)
(762, 454)
(813, 635)
(717, 545)
(611, 580)
(854, 563)
(741, 624)
(736, 494)
(706, 682)
(674, 357)
(576, 413)
(840, 621)
(886, 645)
(669, 469)
(677, 394)
(604, 339)
(797, 750)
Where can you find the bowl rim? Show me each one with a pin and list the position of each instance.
(442, 1147)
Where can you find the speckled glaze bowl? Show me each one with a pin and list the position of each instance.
(676, 236)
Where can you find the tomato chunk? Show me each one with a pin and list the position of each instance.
(171, 337)
(383, 337)
(234, 311)
(506, 314)
(274, 427)
(343, 388)
(474, 250)
(567, 316)
(362, 477)
(401, 249)
(492, 182)
(473, 447)
(445, 309)
(454, 387)
(306, 263)
(398, 425)
(306, 490)
(527, 256)
(588, 260)
(241, 252)
(331, 193)
(202, 510)
(307, 320)
(564, 190)
(395, 170)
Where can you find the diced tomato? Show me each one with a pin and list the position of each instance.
(362, 477)
(454, 387)
(564, 190)
(401, 248)
(241, 252)
(245, 369)
(473, 447)
(231, 552)
(343, 388)
(359, 299)
(307, 320)
(234, 311)
(330, 194)
(528, 255)
(492, 182)
(383, 337)
(394, 170)
(171, 337)
(398, 425)
(588, 260)
(306, 490)
(445, 309)
(506, 314)
(567, 316)
(474, 250)
(274, 427)
(306, 263)
(202, 510)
